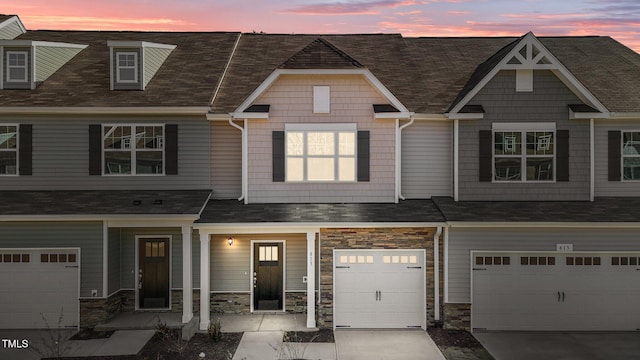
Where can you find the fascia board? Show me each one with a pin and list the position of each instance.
(153, 110)
(287, 227)
(138, 44)
(533, 224)
(465, 116)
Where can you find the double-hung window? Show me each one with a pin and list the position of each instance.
(126, 67)
(8, 149)
(133, 149)
(17, 66)
(320, 152)
(631, 155)
(523, 154)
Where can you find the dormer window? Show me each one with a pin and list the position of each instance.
(127, 67)
(17, 66)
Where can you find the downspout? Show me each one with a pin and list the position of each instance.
(399, 156)
(436, 274)
(592, 174)
(244, 158)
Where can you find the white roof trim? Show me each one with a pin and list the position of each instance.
(625, 115)
(40, 43)
(85, 110)
(531, 62)
(433, 117)
(138, 44)
(393, 115)
(588, 115)
(289, 227)
(13, 19)
(249, 115)
(465, 116)
(534, 224)
(266, 84)
(136, 218)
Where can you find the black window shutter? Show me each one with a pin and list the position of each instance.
(562, 156)
(363, 156)
(485, 171)
(171, 149)
(26, 149)
(95, 149)
(277, 143)
(615, 145)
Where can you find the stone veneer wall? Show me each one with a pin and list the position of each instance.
(296, 302)
(230, 303)
(370, 238)
(457, 316)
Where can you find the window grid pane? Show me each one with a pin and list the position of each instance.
(131, 150)
(631, 155)
(534, 164)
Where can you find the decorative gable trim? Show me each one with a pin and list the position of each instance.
(271, 79)
(149, 58)
(530, 54)
(12, 28)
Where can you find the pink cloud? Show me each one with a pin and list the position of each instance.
(346, 8)
(103, 23)
(458, 12)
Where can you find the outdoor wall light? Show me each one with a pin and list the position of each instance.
(230, 240)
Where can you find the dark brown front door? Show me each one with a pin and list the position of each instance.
(267, 283)
(153, 275)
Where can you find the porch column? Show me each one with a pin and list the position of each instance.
(204, 281)
(187, 275)
(311, 279)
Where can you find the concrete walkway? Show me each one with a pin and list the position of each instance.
(386, 345)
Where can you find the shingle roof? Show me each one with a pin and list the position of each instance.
(320, 54)
(187, 78)
(4, 17)
(103, 202)
(605, 209)
(232, 211)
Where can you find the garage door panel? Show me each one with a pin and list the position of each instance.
(579, 291)
(379, 289)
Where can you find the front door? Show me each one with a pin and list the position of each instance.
(153, 274)
(267, 276)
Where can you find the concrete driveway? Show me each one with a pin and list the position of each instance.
(561, 346)
(385, 345)
(30, 344)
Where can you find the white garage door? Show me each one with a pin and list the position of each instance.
(379, 289)
(555, 291)
(36, 284)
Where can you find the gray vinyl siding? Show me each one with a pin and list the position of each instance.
(114, 261)
(427, 160)
(463, 240)
(153, 60)
(547, 103)
(226, 161)
(84, 235)
(230, 266)
(61, 156)
(604, 187)
(49, 59)
(10, 31)
(128, 254)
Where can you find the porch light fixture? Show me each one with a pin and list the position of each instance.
(230, 240)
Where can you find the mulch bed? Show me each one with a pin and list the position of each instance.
(458, 344)
(89, 334)
(320, 336)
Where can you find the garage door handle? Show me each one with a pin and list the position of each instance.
(343, 267)
(377, 295)
(380, 295)
(563, 296)
(558, 296)
(414, 267)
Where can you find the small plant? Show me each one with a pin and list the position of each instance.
(215, 330)
(172, 338)
(56, 341)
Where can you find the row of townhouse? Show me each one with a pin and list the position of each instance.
(364, 181)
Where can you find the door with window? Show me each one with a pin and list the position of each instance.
(267, 276)
(153, 274)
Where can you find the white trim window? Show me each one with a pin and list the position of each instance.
(8, 149)
(127, 67)
(631, 155)
(320, 152)
(17, 66)
(133, 149)
(521, 154)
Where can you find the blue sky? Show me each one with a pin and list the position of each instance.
(617, 18)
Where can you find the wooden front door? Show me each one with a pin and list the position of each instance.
(267, 276)
(153, 274)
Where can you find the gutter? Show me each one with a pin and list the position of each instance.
(245, 172)
(399, 156)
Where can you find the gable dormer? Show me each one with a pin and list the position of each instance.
(27, 63)
(11, 27)
(134, 63)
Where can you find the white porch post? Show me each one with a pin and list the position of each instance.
(204, 281)
(311, 279)
(187, 275)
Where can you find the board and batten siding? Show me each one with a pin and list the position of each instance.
(427, 159)
(51, 58)
(463, 240)
(604, 187)
(153, 60)
(84, 235)
(291, 100)
(547, 103)
(10, 31)
(231, 265)
(226, 161)
(114, 268)
(61, 156)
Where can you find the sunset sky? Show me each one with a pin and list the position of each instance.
(619, 19)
